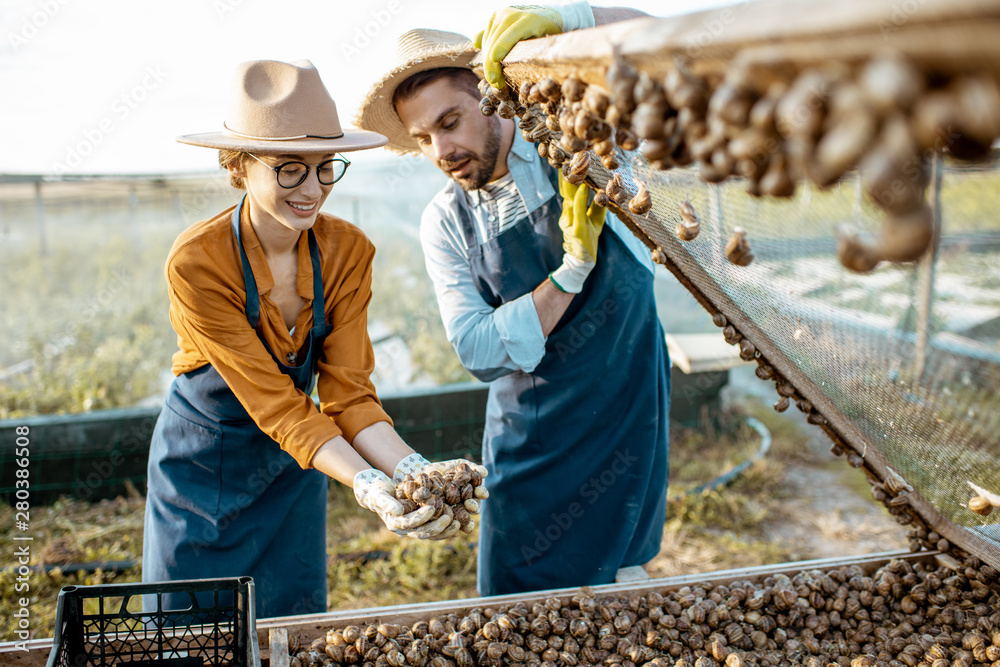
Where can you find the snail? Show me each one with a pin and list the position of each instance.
(857, 253)
(454, 493)
(621, 77)
(738, 248)
(601, 198)
(614, 189)
(905, 238)
(641, 202)
(575, 171)
(688, 227)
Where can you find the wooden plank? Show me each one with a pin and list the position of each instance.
(701, 353)
(943, 35)
(277, 647)
(303, 629)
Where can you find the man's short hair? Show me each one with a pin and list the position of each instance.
(461, 78)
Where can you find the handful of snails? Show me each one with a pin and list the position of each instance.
(455, 492)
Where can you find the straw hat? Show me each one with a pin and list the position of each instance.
(416, 51)
(278, 107)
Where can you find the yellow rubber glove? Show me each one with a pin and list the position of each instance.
(509, 26)
(581, 223)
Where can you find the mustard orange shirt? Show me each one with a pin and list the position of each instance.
(208, 312)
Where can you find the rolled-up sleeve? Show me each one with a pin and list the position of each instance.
(209, 313)
(490, 342)
(346, 392)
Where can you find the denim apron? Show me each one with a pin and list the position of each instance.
(224, 499)
(577, 449)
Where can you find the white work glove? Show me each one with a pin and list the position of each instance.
(414, 463)
(510, 25)
(375, 491)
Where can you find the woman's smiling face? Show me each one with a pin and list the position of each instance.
(276, 207)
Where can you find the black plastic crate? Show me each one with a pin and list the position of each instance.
(114, 624)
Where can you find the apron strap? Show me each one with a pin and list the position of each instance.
(253, 296)
(465, 223)
(319, 315)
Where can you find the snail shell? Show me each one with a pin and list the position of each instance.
(524, 92)
(905, 238)
(647, 121)
(731, 335)
(573, 89)
(776, 182)
(596, 100)
(614, 188)
(738, 248)
(642, 201)
(857, 253)
(781, 404)
(842, 146)
(601, 198)
(626, 139)
(486, 107)
(409, 505)
(891, 81)
(621, 78)
(506, 109)
(576, 170)
(654, 149)
(572, 143)
(610, 162)
(550, 89)
(688, 231)
(980, 505)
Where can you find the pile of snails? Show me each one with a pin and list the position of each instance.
(884, 117)
(905, 614)
(454, 493)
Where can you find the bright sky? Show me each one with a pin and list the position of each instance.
(104, 86)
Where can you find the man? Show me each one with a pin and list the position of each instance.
(552, 306)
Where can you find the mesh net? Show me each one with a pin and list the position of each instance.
(900, 366)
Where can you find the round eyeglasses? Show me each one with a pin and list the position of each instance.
(293, 174)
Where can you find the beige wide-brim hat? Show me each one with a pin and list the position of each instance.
(278, 107)
(416, 51)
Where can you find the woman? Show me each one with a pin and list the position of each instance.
(264, 297)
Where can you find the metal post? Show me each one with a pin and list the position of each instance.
(175, 197)
(926, 273)
(133, 213)
(40, 219)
